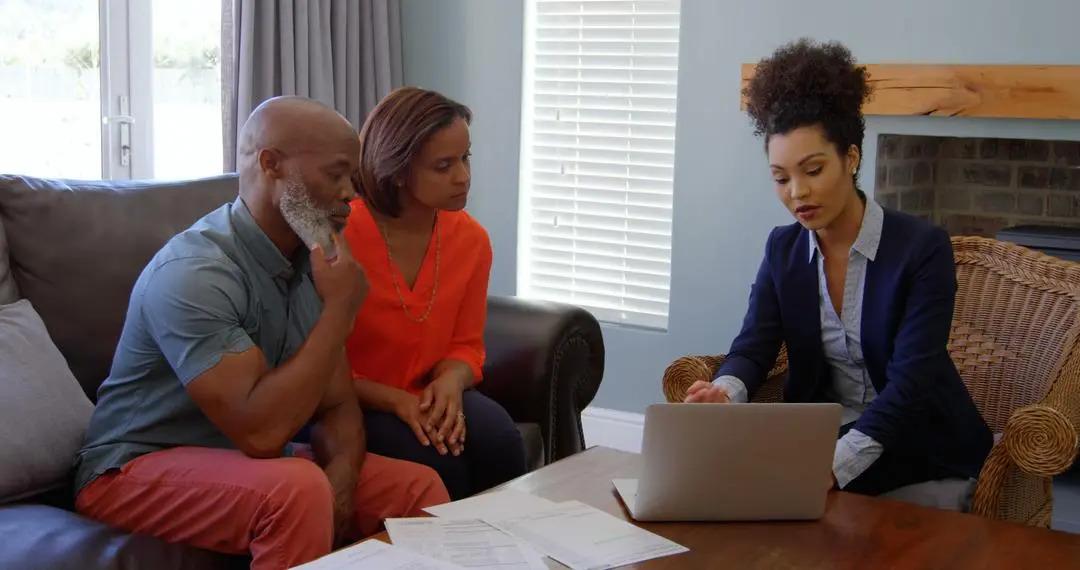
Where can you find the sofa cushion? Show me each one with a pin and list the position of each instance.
(43, 412)
(8, 292)
(76, 249)
(37, 537)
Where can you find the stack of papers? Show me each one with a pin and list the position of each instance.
(470, 543)
(500, 504)
(376, 555)
(585, 538)
(507, 530)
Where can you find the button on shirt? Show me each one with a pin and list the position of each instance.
(842, 344)
(220, 287)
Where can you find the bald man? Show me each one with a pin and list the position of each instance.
(234, 340)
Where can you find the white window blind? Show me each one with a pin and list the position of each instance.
(598, 147)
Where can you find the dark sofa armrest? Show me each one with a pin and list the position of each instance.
(544, 365)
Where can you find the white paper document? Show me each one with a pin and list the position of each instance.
(585, 538)
(469, 543)
(376, 555)
(496, 505)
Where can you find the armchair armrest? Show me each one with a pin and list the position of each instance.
(1039, 440)
(544, 364)
(683, 372)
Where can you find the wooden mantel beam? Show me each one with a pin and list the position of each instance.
(996, 91)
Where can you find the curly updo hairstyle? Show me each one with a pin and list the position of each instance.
(806, 83)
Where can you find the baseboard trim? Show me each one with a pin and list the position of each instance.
(613, 428)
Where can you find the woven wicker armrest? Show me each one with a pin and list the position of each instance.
(1041, 440)
(683, 372)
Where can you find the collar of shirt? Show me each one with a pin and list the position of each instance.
(866, 243)
(261, 247)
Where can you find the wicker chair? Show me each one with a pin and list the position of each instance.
(1016, 341)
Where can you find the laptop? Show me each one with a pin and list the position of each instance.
(734, 462)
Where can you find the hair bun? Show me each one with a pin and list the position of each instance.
(805, 83)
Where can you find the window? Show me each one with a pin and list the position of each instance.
(110, 88)
(187, 130)
(597, 159)
(50, 90)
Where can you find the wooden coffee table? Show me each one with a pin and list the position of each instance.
(856, 532)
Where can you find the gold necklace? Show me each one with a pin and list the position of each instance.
(393, 278)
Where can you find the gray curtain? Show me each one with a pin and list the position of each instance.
(344, 53)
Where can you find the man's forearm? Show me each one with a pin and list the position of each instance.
(285, 398)
(338, 435)
(338, 443)
(338, 440)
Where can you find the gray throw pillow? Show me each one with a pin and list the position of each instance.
(43, 411)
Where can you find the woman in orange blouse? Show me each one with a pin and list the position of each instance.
(417, 345)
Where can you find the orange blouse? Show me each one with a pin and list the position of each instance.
(388, 347)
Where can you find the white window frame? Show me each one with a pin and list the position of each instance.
(607, 314)
(127, 112)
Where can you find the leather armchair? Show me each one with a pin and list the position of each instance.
(544, 365)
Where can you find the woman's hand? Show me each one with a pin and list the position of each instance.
(705, 392)
(407, 408)
(457, 437)
(440, 404)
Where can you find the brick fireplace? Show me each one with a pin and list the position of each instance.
(978, 186)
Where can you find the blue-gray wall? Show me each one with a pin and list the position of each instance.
(724, 205)
(471, 51)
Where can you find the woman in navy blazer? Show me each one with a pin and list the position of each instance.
(862, 296)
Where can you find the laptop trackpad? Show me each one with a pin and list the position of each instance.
(627, 489)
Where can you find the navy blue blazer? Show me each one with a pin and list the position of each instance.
(923, 408)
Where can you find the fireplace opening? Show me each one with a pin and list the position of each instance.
(1025, 191)
(980, 186)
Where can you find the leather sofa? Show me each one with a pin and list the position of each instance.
(74, 249)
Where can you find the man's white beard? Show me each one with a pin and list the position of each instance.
(310, 222)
